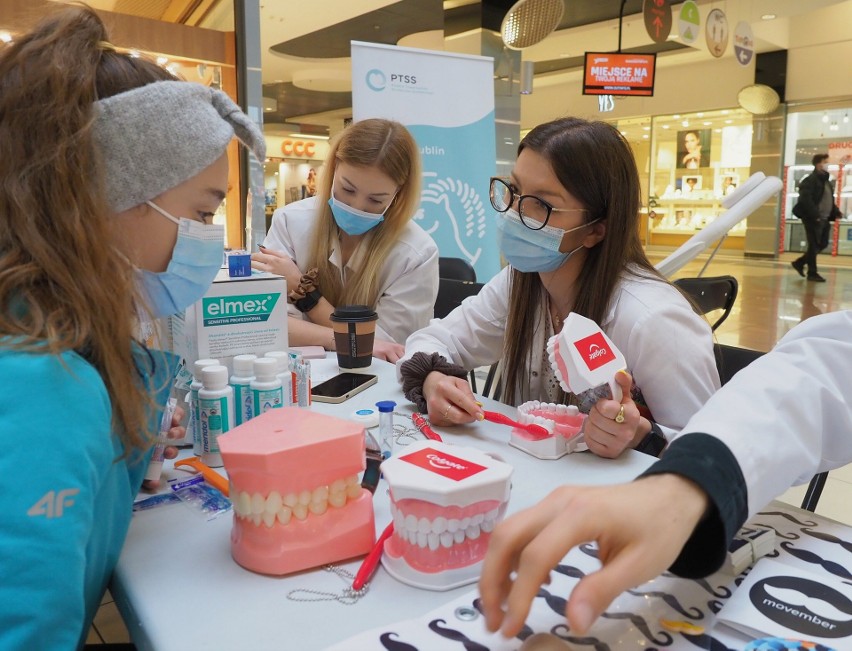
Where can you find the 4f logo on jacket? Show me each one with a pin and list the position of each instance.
(53, 503)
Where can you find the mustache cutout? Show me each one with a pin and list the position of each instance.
(561, 631)
(642, 625)
(670, 600)
(589, 550)
(706, 642)
(807, 523)
(827, 537)
(570, 571)
(819, 607)
(456, 636)
(395, 645)
(557, 604)
(816, 559)
(721, 592)
(715, 606)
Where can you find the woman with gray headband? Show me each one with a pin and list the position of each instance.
(110, 171)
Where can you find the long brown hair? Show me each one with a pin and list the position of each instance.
(390, 147)
(594, 163)
(63, 287)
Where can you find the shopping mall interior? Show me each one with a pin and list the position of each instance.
(766, 111)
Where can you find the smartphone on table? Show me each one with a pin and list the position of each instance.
(342, 387)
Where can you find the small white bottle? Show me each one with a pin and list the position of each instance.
(266, 387)
(284, 374)
(216, 412)
(241, 383)
(194, 387)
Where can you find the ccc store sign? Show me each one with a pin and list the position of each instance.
(304, 148)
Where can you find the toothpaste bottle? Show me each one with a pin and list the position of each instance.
(266, 387)
(155, 465)
(216, 412)
(193, 401)
(284, 374)
(241, 383)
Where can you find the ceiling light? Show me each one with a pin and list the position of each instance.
(647, 128)
(701, 115)
(728, 121)
(529, 21)
(270, 104)
(685, 123)
(846, 119)
(768, 17)
(707, 123)
(676, 117)
(6, 37)
(307, 135)
(161, 61)
(666, 126)
(644, 135)
(134, 54)
(758, 99)
(825, 118)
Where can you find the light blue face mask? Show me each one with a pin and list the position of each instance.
(353, 221)
(196, 258)
(530, 250)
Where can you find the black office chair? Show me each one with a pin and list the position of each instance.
(730, 360)
(456, 269)
(711, 294)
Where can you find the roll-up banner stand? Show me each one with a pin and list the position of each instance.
(447, 102)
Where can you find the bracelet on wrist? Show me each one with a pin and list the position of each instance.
(654, 442)
(309, 302)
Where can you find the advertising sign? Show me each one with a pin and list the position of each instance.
(619, 74)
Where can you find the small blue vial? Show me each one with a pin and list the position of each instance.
(386, 408)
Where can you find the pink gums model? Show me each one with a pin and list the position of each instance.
(564, 421)
(445, 502)
(295, 490)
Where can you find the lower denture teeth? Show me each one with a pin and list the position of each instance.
(458, 536)
(487, 526)
(300, 511)
(268, 519)
(422, 539)
(446, 539)
(337, 500)
(284, 515)
(472, 532)
(318, 508)
(433, 541)
(305, 498)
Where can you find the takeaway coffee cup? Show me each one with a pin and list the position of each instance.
(354, 331)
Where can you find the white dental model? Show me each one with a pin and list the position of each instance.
(445, 501)
(564, 422)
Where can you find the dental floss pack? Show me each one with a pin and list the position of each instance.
(294, 484)
(445, 501)
(200, 496)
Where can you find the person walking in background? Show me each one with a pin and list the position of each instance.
(816, 208)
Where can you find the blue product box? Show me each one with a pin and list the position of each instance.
(239, 264)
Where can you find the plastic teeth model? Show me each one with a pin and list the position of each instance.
(563, 421)
(445, 501)
(295, 489)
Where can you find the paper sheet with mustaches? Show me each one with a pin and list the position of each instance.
(785, 601)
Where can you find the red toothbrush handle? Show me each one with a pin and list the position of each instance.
(372, 561)
(423, 425)
(497, 417)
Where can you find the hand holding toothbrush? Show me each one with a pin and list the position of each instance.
(612, 425)
(449, 400)
(176, 432)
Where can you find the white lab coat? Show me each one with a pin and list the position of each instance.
(788, 415)
(408, 281)
(668, 347)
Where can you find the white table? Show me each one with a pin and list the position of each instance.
(178, 588)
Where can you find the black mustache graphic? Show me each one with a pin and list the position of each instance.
(788, 536)
(588, 641)
(570, 570)
(810, 557)
(671, 600)
(394, 645)
(457, 636)
(706, 642)
(808, 523)
(557, 604)
(722, 592)
(827, 537)
(589, 550)
(715, 606)
(642, 625)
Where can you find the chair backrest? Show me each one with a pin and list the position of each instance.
(451, 293)
(711, 294)
(456, 268)
(732, 359)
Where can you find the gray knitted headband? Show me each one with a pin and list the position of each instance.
(157, 136)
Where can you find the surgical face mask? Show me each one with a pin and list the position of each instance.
(196, 258)
(531, 251)
(353, 221)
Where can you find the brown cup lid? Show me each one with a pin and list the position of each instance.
(353, 314)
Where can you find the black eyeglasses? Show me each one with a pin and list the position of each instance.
(534, 212)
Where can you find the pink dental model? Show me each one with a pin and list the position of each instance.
(564, 422)
(297, 498)
(446, 501)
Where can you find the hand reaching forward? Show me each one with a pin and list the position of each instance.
(278, 263)
(640, 529)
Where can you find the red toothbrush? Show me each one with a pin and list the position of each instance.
(423, 425)
(372, 561)
(538, 431)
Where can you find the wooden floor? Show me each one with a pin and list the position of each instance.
(772, 299)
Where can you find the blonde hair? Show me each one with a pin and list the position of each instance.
(389, 147)
(63, 287)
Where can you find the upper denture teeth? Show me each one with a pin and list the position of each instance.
(268, 518)
(291, 499)
(477, 519)
(424, 526)
(439, 525)
(411, 522)
(453, 525)
(305, 498)
(273, 502)
(258, 504)
(243, 504)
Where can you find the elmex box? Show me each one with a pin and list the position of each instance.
(237, 316)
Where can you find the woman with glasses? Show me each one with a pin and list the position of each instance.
(568, 226)
(357, 233)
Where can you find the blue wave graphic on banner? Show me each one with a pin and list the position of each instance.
(454, 206)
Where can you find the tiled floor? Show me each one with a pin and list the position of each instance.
(772, 299)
